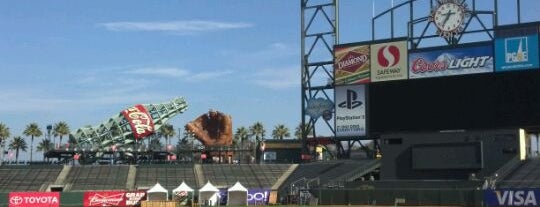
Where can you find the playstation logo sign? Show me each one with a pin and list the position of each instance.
(351, 101)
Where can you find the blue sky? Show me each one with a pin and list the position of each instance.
(84, 61)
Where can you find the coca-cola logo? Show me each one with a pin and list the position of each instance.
(140, 121)
(352, 61)
(388, 56)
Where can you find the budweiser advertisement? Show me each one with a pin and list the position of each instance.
(113, 198)
(140, 121)
(34, 199)
(352, 64)
(389, 61)
(449, 62)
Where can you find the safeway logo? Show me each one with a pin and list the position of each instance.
(388, 56)
(33, 199)
(351, 101)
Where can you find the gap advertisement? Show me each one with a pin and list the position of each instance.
(516, 53)
(448, 62)
(512, 197)
(350, 110)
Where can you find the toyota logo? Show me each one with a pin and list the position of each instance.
(16, 200)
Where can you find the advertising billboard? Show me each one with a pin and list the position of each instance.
(449, 62)
(255, 196)
(140, 121)
(512, 197)
(317, 107)
(350, 110)
(34, 199)
(516, 49)
(113, 198)
(351, 64)
(389, 61)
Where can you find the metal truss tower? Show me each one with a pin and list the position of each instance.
(319, 34)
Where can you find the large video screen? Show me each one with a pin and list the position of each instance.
(479, 101)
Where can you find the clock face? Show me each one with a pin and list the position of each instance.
(449, 16)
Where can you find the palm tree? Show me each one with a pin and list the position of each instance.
(241, 134)
(44, 146)
(298, 131)
(4, 135)
(167, 131)
(60, 129)
(17, 144)
(280, 131)
(32, 130)
(257, 130)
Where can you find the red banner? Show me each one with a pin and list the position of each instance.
(34, 199)
(113, 198)
(140, 121)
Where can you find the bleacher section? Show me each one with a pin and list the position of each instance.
(525, 176)
(97, 177)
(251, 176)
(27, 177)
(169, 176)
(328, 173)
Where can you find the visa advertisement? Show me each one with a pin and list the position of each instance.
(449, 62)
(516, 53)
(34, 199)
(389, 61)
(512, 197)
(113, 198)
(350, 110)
(351, 64)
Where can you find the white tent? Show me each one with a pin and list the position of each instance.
(237, 195)
(209, 195)
(183, 194)
(157, 193)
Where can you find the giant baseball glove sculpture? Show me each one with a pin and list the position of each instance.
(212, 129)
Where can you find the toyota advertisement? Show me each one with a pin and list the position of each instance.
(389, 61)
(113, 198)
(350, 110)
(34, 199)
(449, 62)
(351, 64)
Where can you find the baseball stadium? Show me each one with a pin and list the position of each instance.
(446, 115)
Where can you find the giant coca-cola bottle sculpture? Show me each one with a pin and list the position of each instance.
(128, 126)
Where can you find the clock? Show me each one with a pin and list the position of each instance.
(449, 17)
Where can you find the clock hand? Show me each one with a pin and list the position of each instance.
(448, 17)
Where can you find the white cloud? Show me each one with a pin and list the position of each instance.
(168, 72)
(208, 75)
(186, 26)
(278, 78)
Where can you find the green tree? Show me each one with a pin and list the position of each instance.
(167, 131)
(241, 135)
(257, 131)
(4, 135)
(60, 129)
(17, 144)
(44, 146)
(32, 130)
(280, 131)
(298, 131)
